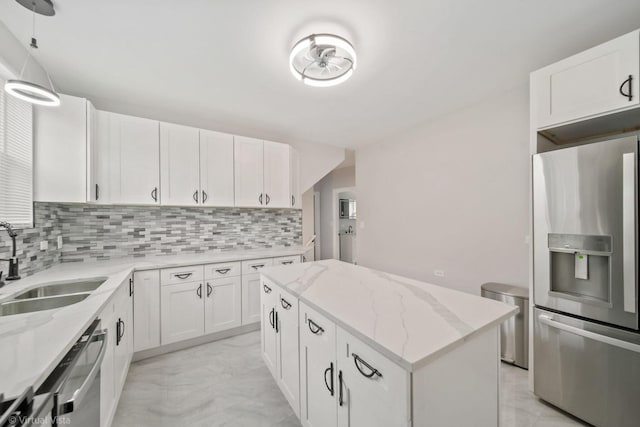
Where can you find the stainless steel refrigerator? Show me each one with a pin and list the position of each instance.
(586, 330)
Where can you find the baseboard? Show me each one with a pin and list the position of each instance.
(169, 348)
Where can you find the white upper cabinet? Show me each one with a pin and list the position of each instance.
(594, 82)
(249, 172)
(216, 169)
(179, 165)
(60, 151)
(277, 178)
(126, 160)
(296, 194)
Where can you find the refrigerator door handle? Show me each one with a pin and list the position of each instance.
(629, 231)
(547, 320)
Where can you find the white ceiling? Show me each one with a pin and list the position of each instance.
(224, 64)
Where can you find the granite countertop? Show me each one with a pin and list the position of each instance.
(34, 343)
(409, 321)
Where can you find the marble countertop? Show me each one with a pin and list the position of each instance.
(34, 343)
(409, 321)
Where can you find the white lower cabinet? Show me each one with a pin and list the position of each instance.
(222, 306)
(146, 310)
(251, 309)
(182, 311)
(116, 319)
(269, 337)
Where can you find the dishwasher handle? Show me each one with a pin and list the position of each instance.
(80, 393)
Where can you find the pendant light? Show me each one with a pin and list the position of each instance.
(25, 89)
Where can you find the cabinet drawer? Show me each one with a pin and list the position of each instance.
(314, 324)
(285, 260)
(191, 273)
(229, 269)
(255, 265)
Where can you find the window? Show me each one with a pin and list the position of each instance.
(16, 160)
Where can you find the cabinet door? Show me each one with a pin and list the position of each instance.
(248, 172)
(60, 150)
(124, 335)
(179, 165)
(250, 298)
(107, 373)
(296, 194)
(589, 83)
(277, 177)
(181, 311)
(101, 158)
(318, 371)
(216, 168)
(375, 390)
(288, 360)
(135, 163)
(146, 310)
(223, 307)
(269, 326)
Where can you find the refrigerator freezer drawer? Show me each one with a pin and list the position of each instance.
(587, 369)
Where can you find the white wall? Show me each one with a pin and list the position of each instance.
(450, 195)
(316, 160)
(308, 222)
(338, 178)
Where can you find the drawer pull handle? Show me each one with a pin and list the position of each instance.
(340, 398)
(629, 94)
(285, 304)
(329, 387)
(315, 328)
(267, 290)
(183, 276)
(223, 270)
(271, 317)
(373, 371)
(287, 262)
(199, 291)
(257, 266)
(209, 290)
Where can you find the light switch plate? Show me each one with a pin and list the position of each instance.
(59, 242)
(44, 245)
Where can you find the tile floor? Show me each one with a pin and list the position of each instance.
(225, 383)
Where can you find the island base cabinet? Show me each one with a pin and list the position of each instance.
(288, 358)
(372, 390)
(182, 311)
(269, 338)
(318, 370)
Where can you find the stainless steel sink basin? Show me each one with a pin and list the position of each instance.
(40, 304)
(63, 288)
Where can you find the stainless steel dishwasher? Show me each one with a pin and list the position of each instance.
(75, 382)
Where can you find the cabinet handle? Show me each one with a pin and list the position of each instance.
(329, 387)
(119, 331)
(130, 286)
(285, 304)
(257, 266)
(260, 198)
(373, 371)
(286, 262)
(154, 194)
(340, 399)
(315, 328)
(267, 290)
(293, 200)
(223, 270)
(209, 289)
(268, 199)
(276, 320)
(195, 196)
(183, 276)
(199, 291)
(97, 191)
(204, 196)
(629, 94)
(271, 316)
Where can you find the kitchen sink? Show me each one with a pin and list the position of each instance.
(63, 288)
(39, 304)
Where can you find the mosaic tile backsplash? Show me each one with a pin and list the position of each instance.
(94, 232)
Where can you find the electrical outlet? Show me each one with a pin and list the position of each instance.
(59, 242)
(439, 273)
(44, 245)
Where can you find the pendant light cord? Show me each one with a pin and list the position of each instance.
(34, 45)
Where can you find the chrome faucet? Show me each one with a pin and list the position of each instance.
(13, 260)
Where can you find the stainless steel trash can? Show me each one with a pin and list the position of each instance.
(514, 332)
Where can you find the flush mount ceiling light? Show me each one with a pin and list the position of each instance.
(322, 60)
(23, 88)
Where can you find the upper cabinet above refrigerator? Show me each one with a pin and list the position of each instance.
(598, 81)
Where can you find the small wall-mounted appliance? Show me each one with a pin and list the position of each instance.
(347, 208)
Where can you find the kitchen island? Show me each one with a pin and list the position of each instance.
(351, 346)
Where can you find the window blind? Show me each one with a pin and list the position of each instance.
(16, 160)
